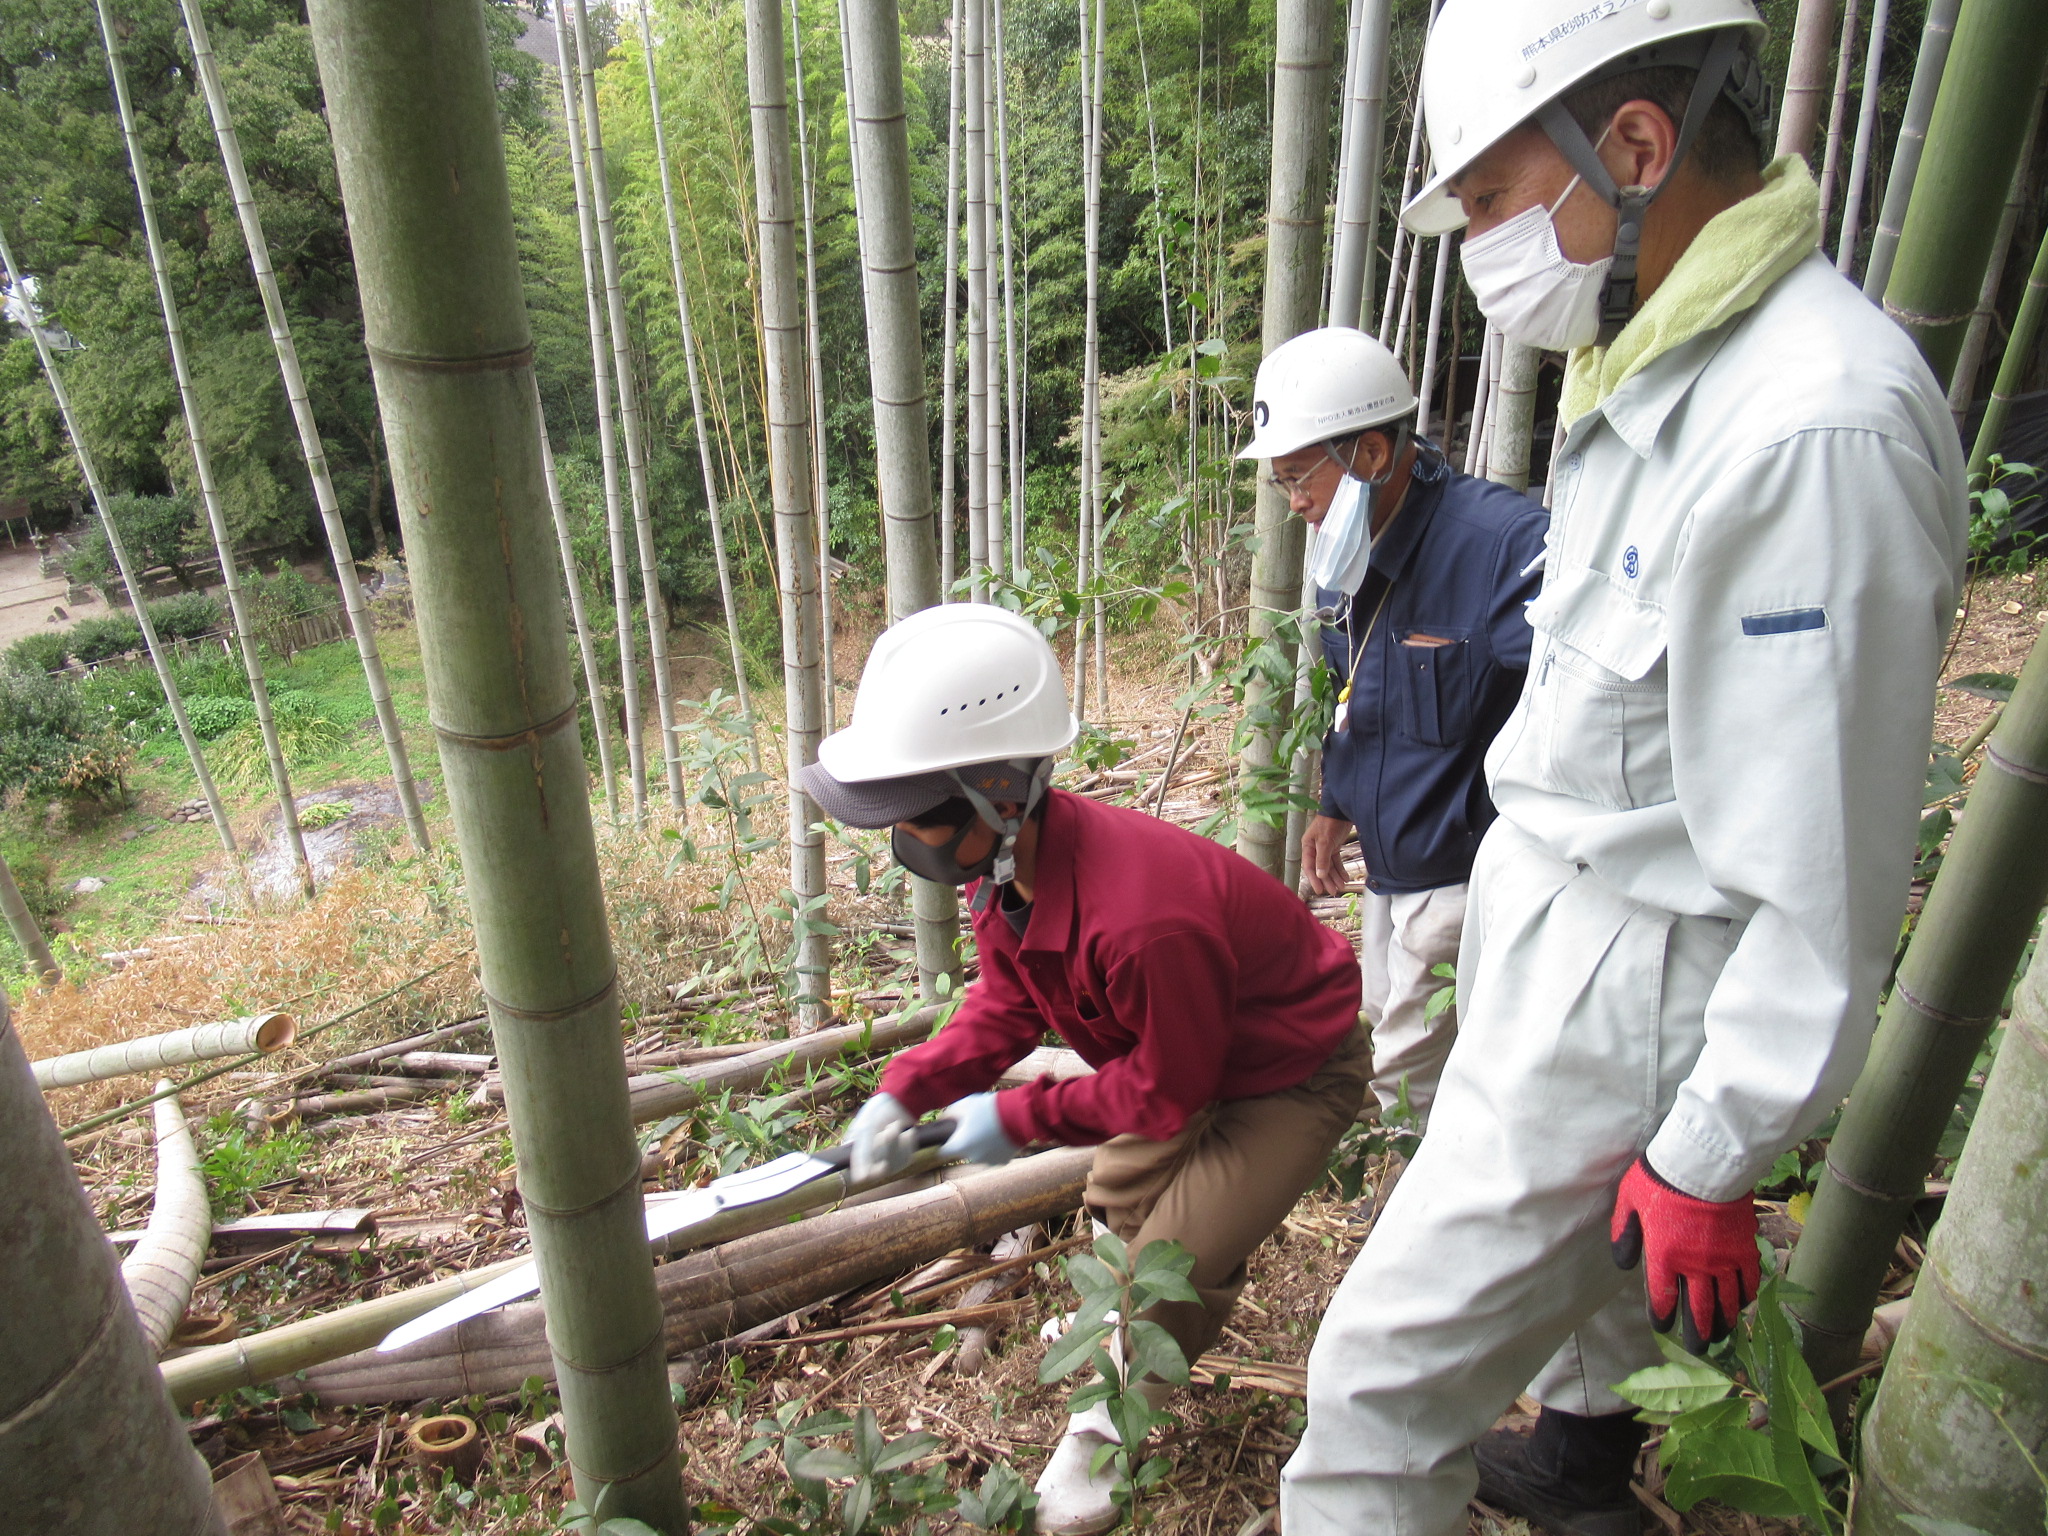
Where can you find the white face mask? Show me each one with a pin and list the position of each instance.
(1527, 286)
(1344, 537)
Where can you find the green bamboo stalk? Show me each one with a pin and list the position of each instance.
(1962, 1413)
(28, 934)
(950, 367)
(896, 379)
(359, 620)
(998, 380)
(89, 1442)
(1090, 199)
(136, 598)
(789, 487)
(163, 1267)
(1294, 270)
(1973, 144)
(1358, 173)
(974, 191)
(1935, 37)
(412, 103)
(1099, 620)
(1013, 376)
(259, 1034)
(1866, 129)
(586, 648)
(566, 48)
(1950, 988)
(698, 421)
(629, 415)
(202, 464)
(814, 350)
(2012, 367)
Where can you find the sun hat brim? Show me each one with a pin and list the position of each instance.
(875, 803)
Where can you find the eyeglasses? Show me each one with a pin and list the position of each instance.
(1287, 485)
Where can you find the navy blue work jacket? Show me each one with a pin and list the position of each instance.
(1409, 769)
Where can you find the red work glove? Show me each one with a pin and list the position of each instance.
(1703, 1263)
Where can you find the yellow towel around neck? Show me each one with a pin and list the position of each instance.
(1734, 258)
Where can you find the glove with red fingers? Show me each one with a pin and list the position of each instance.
(1703, 1267)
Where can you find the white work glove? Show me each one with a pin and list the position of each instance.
(883, 1137)
(978, 1134)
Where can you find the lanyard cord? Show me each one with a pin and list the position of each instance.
(1358, 650)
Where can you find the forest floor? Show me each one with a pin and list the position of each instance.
(437, 1173)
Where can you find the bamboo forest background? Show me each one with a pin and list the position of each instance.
(1187, 94)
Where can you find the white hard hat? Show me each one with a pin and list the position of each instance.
(1324, 384)
(949, 687)
(1492, 65)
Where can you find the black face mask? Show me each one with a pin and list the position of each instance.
(942, 864)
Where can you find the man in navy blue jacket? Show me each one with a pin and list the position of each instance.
(1422, 573)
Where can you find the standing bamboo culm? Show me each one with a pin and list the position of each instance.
(999, 382)
(586, 647)
(118, 548)
(1294, 267)
(28, 934)
(974, 178)
(1082, 543)
(1928, 65)
(896, 379)
(1152, 142)
(1431, 338)
(1962, 384)
(566, 49)
(1838, 114)
(699, 423)
(1866, 130)
(1950, 989)
(90, 1444)
(789, 474)
(630, 425)
(1358, 173)
(411, 98)
(1973, 148)
(1092, 376)
(359, 619)
(1953, 1438)
(814, 351)
(202, 464)
(1013, 378)
(2012, 368)
(1513, 415)
(949, 406)
(1806, 77)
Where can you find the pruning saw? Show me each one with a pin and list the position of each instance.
(667, 1216)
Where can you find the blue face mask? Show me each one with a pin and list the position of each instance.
(1343, 545)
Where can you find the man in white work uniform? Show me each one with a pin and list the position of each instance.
(1681, 920)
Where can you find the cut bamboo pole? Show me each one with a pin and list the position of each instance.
(1928, 65)
(89, 1443)
(28, 934)
(1838, 112)
(2012, 367)
(1973, 148)
(411, 100)
(949, 402)
(566, 48)
(202, 463)
(700, 425)
(1294, 265)
(586, 648)
(1806, 77)
(118, 548)
(1866, 130)
(292, 1347)
(1358, 173)
(630, 427)
(974, 179)
(263, 1033)
(716, 1293)
(1946, 999)
(1514, 415)
(359, 620)
(790, 490)
(1935, 1448)
(164, 1265)
(814, 351)
(670, 1093)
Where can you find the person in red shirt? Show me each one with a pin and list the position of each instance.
(1221, 1018)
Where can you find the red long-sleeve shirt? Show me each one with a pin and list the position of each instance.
(1181, 972)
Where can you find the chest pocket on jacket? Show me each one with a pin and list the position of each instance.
(1600, 705)
(1436, 687)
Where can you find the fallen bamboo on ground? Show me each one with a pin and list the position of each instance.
(379, 1053)
(164, 1267)
(357, 1100)
(714, 1294)
(293, 1347)
(259, 1034)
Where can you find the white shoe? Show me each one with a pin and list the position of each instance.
(1072, 1500)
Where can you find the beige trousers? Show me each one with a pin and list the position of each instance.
(1401, 941)
(1226, 1182)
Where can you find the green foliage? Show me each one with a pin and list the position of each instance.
(43, 727)
(187, 616)
(282, 596)
(35, 874)
(326, 813)
(1714, 1448)
(37, 653)
(866, 1485)
(234, 1164)
(215, 717)
(1997, 546)
(155, 530)
(1004, 1501)
(103, 638)
(303, 733)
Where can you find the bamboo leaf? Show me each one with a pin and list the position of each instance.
(1996, 686)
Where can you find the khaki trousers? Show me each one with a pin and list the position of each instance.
(1402, 939)
(1226, 1182)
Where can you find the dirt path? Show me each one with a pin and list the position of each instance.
(32, 603)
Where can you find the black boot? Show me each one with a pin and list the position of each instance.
(1571, 1477)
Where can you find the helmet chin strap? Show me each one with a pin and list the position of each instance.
(1720, 63)
(1005, 827)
